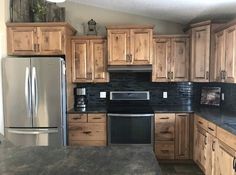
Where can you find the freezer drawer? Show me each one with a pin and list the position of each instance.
(34, 137)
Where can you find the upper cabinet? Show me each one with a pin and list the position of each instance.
(130, 45)
(38, 38)
(200, 53)
(89, 59)
(225, 57)
(171, 58)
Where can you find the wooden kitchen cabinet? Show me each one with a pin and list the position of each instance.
(172, 136)
(211, 144)
(225, 58)
(171, 58)
(200, 53)
(182, 136)
(87, 129)
(38, 38)
(89, 59)
(130, 45)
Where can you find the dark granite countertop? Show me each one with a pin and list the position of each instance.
(115, 160)
(219, 117)
(89, 109)
(171, 108)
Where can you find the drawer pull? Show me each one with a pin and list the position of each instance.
(200, 122)
(97, 118)
(183, 115)
(164, 118)
(213, 145)
(205, 140)
(234, 164)
(87, 132)
(165, 132)
(165, 151)
(76, 118)
(211, 129)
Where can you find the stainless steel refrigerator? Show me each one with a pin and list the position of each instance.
(34, 100)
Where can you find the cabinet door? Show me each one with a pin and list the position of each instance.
(200, 54)
(225, 159)
(161, 62)
(98, 53)
(51, 40)
(219, 56)
(230, 57)
(210, 154)
(182, 136)
(21, 40)
(141, 46)
(179, 59)
(200, 142)
(81, 61)
(118, 47)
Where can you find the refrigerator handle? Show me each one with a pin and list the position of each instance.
(27, 92)
(33, 131)
(34, 92)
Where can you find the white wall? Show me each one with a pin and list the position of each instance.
(78, 15)
(4, 16)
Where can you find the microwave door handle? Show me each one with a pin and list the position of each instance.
(27, 92)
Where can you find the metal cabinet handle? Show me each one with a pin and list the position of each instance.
(211, 129)
(205, 140)
(127, 57)
(165, 132)
(131, 59)
(234, 164)
(224, 74)
(168, 75)
(164, 118)
(200, 122)
(207, 75)
(87, 132)
(172, 75)
(213, 145)
(76, 118)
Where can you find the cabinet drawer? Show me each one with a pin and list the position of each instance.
(165, 127)
(164, 150)
(226, 137)
(87, 142)
(77, 118)
(201, 122)
(97, 118)
(87, 131)
(211, 128)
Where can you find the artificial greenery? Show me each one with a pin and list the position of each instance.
(39, 10)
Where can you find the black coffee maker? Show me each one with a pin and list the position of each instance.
(80, 99)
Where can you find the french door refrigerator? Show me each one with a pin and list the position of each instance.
(34, 100)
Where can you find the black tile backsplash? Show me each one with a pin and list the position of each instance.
(178, 93)
(228, 89)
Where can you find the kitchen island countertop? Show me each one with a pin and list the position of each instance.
(123, 160)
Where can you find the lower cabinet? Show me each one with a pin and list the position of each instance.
(214, 148)
(172, 136)
(87, 129)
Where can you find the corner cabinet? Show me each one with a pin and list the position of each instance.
(225, 58)
(38, 38)
(130, 45)
(171, 58)
(172, 136)
(89, 59)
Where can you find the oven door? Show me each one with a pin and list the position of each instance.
(130, 128)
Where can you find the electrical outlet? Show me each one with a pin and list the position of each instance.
(222, 96)
(165, 94)
(103, 94)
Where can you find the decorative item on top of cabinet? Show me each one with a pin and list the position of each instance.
(38, 38)
(225, 58)
(89, 59)
(87, 129)
(171, 58)
(130, 45)
(202, 51)
(172, 136)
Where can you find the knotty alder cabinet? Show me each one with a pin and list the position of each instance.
(89, 59)
(225, 58)
(38, 38)
(87, 129)
(172, 136)
(214, 148)
(130, 45)
(171, 58)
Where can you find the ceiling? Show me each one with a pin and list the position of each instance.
(179, 11)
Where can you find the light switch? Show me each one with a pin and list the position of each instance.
(103, 94)
(165, 95)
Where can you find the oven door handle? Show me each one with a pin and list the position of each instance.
(129, 115)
